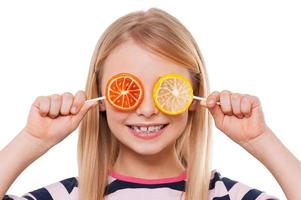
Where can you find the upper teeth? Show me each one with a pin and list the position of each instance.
(146, 129)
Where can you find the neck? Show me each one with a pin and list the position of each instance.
(161, 165)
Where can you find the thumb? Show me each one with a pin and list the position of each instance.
(217, 114)
(215, 111)
(84, 109)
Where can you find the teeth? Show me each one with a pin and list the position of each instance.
(149, 129)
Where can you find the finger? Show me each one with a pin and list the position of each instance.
(246, 106)
(83, 111)
(42, 103)
(236, 101)
(214, 108)
(254, 101)
(212, 99)
(66, 103)
(255, 104)
(55, 105)
(256, 110)
(226, 102)
(78, 101)
(44, 106)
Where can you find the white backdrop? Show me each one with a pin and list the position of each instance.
(249, 47)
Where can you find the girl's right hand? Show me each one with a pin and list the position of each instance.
(52, 118)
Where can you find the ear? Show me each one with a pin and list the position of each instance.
(193, 105)
(102, 106)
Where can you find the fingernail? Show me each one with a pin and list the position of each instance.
(92, 103)
(211, 102)
(74, 109)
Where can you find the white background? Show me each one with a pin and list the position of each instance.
(249, 47)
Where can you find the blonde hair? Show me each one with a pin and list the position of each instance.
(163, 34)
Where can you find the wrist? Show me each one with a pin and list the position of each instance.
(34, 142)
(257, 145)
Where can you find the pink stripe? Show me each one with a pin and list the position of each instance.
(118, 176)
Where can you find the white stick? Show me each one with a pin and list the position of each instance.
(96, 99)
(194, 97)
(203, 99)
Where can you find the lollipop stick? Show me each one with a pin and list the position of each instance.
(203, 99)
(96, 99)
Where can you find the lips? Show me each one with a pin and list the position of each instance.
(145, 124)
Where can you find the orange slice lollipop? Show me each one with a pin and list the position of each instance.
(124, 91)
(173, 94)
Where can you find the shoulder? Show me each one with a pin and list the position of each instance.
(64, 189)
(224, 188)
(59, 190)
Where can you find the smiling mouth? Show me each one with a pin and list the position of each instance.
(147, 129)
(147, 132)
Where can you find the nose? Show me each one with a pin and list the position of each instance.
(147, 108)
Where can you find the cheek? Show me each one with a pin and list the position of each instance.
(115, 120)
(179, 122)
(182, 118)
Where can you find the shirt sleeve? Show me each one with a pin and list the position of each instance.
(64, 189)
(13, 197)
(221, 188)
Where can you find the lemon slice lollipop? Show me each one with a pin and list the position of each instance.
(172, 94)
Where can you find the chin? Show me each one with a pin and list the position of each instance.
(148, 149)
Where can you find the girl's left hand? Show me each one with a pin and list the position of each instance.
(239, 116)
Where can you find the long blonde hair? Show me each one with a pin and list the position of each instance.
(163, 34)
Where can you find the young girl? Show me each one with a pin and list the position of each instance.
(115, 159)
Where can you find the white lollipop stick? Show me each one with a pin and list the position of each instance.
(96, 99)
(194, 97)
(203, 99)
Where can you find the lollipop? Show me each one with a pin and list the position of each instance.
(172, 93)
(124, 92)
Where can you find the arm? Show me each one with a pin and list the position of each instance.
(16, 156)
(46, 126)
(284, 166)
(241, 118)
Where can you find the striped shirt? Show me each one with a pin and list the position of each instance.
(130, 188)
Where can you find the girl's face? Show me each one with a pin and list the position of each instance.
(131, 58)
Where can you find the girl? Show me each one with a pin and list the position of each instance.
(115, 160)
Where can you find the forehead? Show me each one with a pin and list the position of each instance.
(132, 58)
